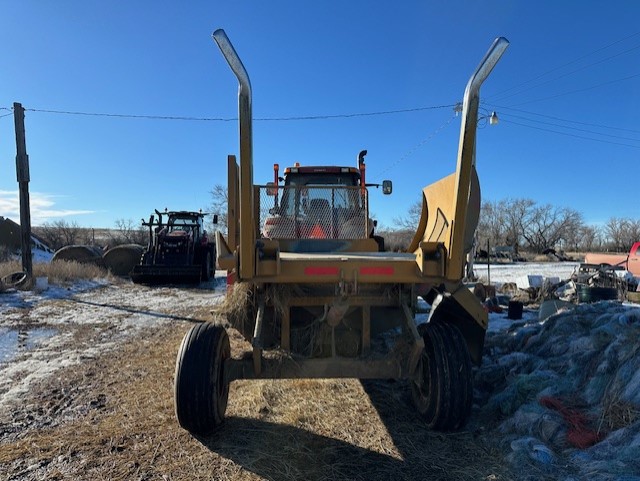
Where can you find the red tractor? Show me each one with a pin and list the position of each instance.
(179, 251)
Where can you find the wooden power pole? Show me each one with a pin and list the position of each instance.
(22, 171)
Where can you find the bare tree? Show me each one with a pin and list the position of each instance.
(59, 233)
(545, 226)
(128, 232)
(219, 203)
(491, 227)
(630, 234)
(615, 231)
(410, 220)
(587, 238)
(501, 223)
(516, 210)
(396, 240)
(621, 233)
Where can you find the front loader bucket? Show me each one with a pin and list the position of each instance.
(158, 274)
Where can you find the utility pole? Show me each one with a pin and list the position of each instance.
(22, 171)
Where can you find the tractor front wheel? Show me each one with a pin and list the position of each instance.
(201, 393)
(442, 390)
(206, 266)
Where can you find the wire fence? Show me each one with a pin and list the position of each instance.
(313, 212)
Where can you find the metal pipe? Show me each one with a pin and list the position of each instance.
(247, 231)
(466, 154)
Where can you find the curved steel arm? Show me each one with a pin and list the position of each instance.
(247, 231)
(466, 153)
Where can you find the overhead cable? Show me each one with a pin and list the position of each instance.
(417, 146)
(577, 90)
(572, 135)
(502, 108)
(499, 94)
(570, 128)
(230, 119)
(503, 97)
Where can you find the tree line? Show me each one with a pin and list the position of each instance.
(60, 233)
(522, 224)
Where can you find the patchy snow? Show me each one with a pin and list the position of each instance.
(41, 254)
(41, 332)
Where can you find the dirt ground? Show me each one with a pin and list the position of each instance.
(110, 415)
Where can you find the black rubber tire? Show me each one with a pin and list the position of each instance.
(206, 266)
(445, 395)
(201, 394)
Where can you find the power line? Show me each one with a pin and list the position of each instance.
(130, 116)
(6, 115)
(577, 90)
(498, 107)
(417, 146)
(572, 128)
(572, 135)
(564, 65)
(230, 119)
(564, 75)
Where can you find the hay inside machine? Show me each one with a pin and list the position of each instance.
(315, 302)
(179, 250)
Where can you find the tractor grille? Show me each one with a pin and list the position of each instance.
(306, 212)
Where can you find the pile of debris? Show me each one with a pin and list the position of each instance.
(564, 393)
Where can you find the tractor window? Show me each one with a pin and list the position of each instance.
(305, 193)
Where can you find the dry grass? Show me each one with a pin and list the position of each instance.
(282, 430)
(617, 413)
(61, 272)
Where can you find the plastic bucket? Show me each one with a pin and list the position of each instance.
(515, 310)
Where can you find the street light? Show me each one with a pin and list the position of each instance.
(492, 117)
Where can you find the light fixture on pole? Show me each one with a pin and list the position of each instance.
(492, 117)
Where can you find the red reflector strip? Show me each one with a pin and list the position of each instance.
(321, 271)
(377, 271)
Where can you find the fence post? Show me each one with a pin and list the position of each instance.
(22, 172)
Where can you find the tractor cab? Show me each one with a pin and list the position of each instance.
(320, 202)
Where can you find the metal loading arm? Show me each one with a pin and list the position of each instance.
(247, 234)
(451, 206)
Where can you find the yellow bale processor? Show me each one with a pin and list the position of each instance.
(316, 295)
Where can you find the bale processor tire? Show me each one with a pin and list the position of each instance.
(201, 393)
(443, 391)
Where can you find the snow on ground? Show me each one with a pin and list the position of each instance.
(520, 272)
(41, 332)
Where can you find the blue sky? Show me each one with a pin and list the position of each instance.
(568, 61)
